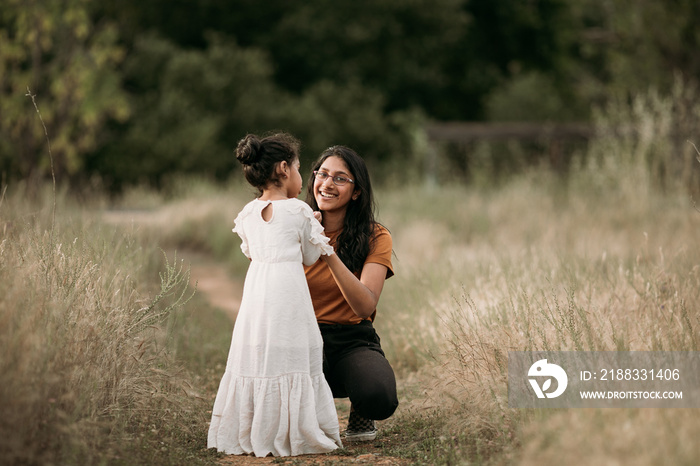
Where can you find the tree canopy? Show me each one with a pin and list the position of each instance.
(134, 91)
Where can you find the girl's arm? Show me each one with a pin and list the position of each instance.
(362, 295)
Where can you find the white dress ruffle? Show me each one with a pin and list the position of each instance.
(273, 397)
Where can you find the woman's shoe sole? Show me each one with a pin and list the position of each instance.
(361, 436)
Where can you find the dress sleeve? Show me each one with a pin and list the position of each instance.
(314, 243)
(238, 228)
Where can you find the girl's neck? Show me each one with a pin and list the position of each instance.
(273, 194)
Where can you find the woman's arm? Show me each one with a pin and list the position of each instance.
(362, 295)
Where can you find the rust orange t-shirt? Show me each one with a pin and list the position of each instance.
(329, 304)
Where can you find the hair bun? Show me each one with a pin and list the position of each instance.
(249, 150)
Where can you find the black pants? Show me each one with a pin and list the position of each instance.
(355, 367)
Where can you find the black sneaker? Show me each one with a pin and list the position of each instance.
(359, 429)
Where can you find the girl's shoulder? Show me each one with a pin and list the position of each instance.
(293, 206)
(297, 206)
(245, 212)
(247, 209)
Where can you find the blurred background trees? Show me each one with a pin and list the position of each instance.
(135, 91)
(56, 50)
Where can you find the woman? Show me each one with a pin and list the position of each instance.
(345, 289)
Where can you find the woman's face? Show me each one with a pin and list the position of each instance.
(328, 195)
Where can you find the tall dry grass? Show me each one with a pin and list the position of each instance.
(608, 260)
(545, 275)
(194, 215)
(83, 325)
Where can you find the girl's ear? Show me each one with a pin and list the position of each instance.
(282, 168)
(356, 194)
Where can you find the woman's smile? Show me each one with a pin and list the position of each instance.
(330, 196)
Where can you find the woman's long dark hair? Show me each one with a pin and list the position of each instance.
(354, 242)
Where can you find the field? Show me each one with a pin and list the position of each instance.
(110, 356)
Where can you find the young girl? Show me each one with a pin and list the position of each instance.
(273, 397)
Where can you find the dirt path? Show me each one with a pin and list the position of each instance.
(215, 284)
(352, 453)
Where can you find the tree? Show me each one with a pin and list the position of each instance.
(191, 106)
(52, 48)
(625, 48)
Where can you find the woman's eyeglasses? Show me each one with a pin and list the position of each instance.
(337, 180)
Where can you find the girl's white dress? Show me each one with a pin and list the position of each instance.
(273, 397)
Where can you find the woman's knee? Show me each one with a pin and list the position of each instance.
(369, 381)
(375, 400)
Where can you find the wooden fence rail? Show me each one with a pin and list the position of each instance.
(553, 134)
(469, 131)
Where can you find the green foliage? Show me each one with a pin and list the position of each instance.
(644, 145)
(54, 49)
(626, 47)
(650, 41)
(192, 106)
(331, 113)
(401, 48)
(133, 92)
(529, 97)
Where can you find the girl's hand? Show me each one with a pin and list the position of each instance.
(318, 216)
